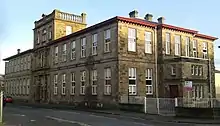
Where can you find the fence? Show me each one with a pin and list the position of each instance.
(166, 106)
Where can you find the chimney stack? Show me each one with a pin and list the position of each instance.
(133, 14)
(18, 50)
(148, 17)
(161, 20)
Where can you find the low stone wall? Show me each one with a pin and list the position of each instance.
(193, 112)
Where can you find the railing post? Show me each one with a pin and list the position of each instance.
(158, 106)
(145, 105)
(176, 102)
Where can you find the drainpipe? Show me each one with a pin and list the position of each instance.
(155, 52)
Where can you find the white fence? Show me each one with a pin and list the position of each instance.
(166, 106)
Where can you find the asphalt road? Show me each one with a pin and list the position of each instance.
(27, 116)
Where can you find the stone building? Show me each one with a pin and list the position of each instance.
(119, 57)
(18, 75)
(2, 81)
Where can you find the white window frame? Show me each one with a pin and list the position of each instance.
(132, 76)
(55, 92)
(204, 50)
(94, 82)
(73, 84)
(107, 36)
(94, 44)
(148, 42)
(73, 50)
(83, 47)
(168, 39)
(193, 69)
(56, 51)
(50, 33)
(173, 69)
(38, 37)
(64, 52)
(63, 84)
(148, 76)
(195, 48)
(68, 30)
(196, 70)
(28, 86)
(82, 84)
(187, 46)
(132, 36)
(177, 45)
(200, 70)
(107, 87)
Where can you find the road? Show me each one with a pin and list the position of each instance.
(27, 116)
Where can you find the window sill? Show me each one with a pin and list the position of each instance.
(107, 52)
(107, 94)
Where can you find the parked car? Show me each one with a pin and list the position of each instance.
(8, 99)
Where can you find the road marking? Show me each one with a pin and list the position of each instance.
(32, 120)
(69, 121)
(103, 117)
(69, 112)
(142, 124)
(18, 115)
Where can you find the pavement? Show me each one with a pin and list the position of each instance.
(15, 115)
(28, 116)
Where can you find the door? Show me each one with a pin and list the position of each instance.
(174, 92)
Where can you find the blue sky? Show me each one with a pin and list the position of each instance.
(18, 16)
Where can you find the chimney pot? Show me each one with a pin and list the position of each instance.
(133, 14)
(18, 50)
(148, 17)
(161, 20)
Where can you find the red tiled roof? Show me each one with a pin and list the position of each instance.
(179, 28)
(135, 21)
(206, 37)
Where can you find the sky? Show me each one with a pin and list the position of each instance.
(17, 17)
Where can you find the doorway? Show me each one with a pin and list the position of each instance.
(174, 91)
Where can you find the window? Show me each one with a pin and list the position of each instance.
(44, 35)
(177, 44)
(200, 70)
(68, 30)
(107, 35)
(73, 50)
(24, 87)
(194, 48)
(94, 44)
(132, 81)
(83, 79)
(107, 90)
(38, 37)
(94, 82)
(132, 39)
(187, 46)
(41, 59)
(64, 52)
(192, 69)
(55, 84)
(28, 86)
(149, 85)
(173, 69)
(64, 84)
(56, 54)
(197, 70)
(198, 91)
(167, 43)
(73, 83)
(204, 50)
(50, 33)
(148, 41)
(83, 47)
